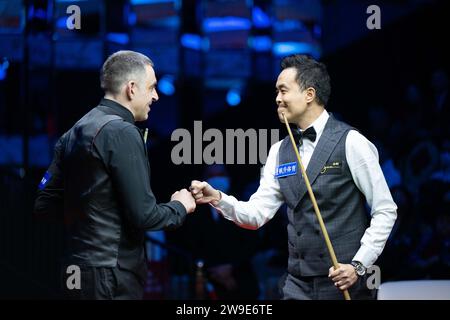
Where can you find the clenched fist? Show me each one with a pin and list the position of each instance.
(185, 197)
(204, 193)
(344, 277)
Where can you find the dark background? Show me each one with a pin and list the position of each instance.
(391, 84)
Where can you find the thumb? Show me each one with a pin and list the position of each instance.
(202, 200)
(197, 186)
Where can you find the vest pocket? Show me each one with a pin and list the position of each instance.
(334, 167)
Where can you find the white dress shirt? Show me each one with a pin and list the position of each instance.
(362, 158)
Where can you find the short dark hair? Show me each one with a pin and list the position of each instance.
(310, 73)
(121, 67)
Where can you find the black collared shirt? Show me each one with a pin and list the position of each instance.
(121, 148)
(118, 109)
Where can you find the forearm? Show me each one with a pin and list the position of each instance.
(362, 157)
(375, 237)
(165, 216)
(251, 214)
(262, 205)
(145, 213)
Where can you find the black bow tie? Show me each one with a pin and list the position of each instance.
(309, 133)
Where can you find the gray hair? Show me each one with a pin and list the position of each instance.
(122, 67)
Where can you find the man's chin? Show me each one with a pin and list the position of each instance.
(280, 116)
(143, 118)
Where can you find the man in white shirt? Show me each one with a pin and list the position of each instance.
(343, 169)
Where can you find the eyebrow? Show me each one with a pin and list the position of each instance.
(281, 86)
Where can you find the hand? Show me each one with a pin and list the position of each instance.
(204, 193)
(343, 277)
(185, 198)
(223, 274)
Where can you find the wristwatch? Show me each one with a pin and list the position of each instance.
(359, 268)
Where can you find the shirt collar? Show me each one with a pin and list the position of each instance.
(118, 109)
(319, 123)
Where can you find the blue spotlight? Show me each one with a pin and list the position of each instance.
(234, 97)
(192, 41)
(217, 24)
(260, 19)
(166, 85)
(3, 68)
(117, 37)
(132, 18)
(261, 43)
(139, 2)
(286, 48)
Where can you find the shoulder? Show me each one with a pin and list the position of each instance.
(61, 141)
(359, 144)
(340, 127)
(119, 127)
(354, 136)
(275, 148)
(120, 134)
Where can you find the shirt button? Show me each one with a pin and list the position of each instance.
(321, 255)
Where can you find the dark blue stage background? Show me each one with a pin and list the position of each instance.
(217, 62)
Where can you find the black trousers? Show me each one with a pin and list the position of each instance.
(104, 283)
(321, 288)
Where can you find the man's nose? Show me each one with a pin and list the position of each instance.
(155, 97)
(278, 99)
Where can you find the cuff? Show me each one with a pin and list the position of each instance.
(366, 256)
(179, 208)
(224, 203)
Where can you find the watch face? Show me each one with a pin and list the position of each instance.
(360, 270)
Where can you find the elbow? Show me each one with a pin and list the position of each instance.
(252, 225)
(139, 223)
(248, 226)
(395, 216)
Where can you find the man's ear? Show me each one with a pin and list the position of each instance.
(310, 94)
(130, 89)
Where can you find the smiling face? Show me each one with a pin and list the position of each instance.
(291, 100)
(143, 94)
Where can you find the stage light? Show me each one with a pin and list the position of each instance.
(3, 69)
(166, 85)
(261, 43)
(192, 41)
(120, 38)
(234, 97)
(260, 19)
(287, 48)
(218, 24)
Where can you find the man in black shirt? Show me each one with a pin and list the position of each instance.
(100, 179)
